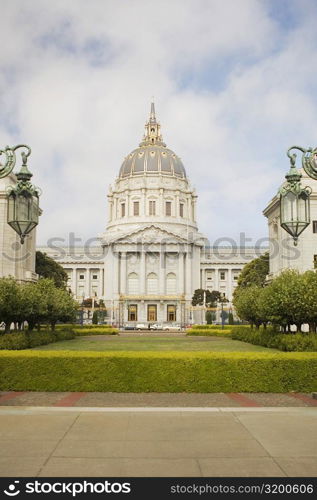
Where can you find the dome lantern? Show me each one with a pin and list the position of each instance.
(152, 156)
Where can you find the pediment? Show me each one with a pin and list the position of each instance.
(151, 234)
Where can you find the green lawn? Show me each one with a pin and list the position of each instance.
(113, 343)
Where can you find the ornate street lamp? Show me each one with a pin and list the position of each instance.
(294, 199)
(23, 198)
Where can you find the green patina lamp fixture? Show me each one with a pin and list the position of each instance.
(23, 198)
(294, 199)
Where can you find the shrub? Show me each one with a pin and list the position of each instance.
(14, 341)
(26, 340)
(157, 372)
(269, 337)
(95, 331)
(77, 326)
(210, 327)
(210, 332)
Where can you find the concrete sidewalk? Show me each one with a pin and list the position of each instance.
(177, 442)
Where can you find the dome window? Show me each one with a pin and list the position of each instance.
(152, 129)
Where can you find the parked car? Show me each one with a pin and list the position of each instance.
(172, 328)
(129, 327)
(141, 326)
(156, 326)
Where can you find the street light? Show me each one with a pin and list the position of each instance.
(23, 198)
(294, 199)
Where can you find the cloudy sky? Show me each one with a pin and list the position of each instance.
(234, 84)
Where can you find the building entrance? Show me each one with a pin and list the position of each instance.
(152, 312)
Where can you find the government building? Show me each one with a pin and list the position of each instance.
(151, 256)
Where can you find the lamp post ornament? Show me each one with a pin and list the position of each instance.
(294, 199)
(23, 198)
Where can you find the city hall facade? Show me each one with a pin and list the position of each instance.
(151, 257)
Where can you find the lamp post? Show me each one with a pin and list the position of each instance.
(294, 199)
(23, 198)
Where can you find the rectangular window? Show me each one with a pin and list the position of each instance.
(95, 276)
(152, 207)
(152, 313)
(122, 209)
(171, 313)
(314, 226)
(181, 209)
(81, 276)
(222, 275)
(136, 208)
(235, 277)
(168, 208)
(133, 313)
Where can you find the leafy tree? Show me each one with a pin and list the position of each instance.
(248, 304)
(230, 318)
(254, 273)
(290, 299)
(211, 297)
(210, 317)
(95, 318)
(59, 305)
(46, 267)
(10, 302)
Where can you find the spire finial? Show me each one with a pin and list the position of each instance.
(152, 114)
(152, 134)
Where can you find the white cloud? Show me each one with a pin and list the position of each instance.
(77, 78)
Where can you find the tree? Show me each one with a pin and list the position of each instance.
(10, 302)
(230, 318)
(210, 317)
(46, 267)
(95, 318)
(254, 273)
(211, 297)
(34, 304)
(248, 304)
(59, 305)
(290, 299)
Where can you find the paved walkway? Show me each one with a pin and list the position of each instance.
(112, 442)
(114, 399)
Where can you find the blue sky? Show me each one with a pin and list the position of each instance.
(234, 86)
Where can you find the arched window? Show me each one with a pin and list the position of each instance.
(133, 284)
(152, 284)
(171, 284)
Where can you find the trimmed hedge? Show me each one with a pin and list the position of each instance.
(95, 331)
(157, 372)
(271, 338)
(209, 332)
(218, 327)
(76, 325)
(26, 340)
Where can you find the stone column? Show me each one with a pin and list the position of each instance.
(162, 273)
(160, 210)
(177, 205)
(115, 274)
(188, 273)
(216, 279)
(86, 288)
(229, 284)
(181, 288)
(74, 281)
(123, 272)
(142, 273)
